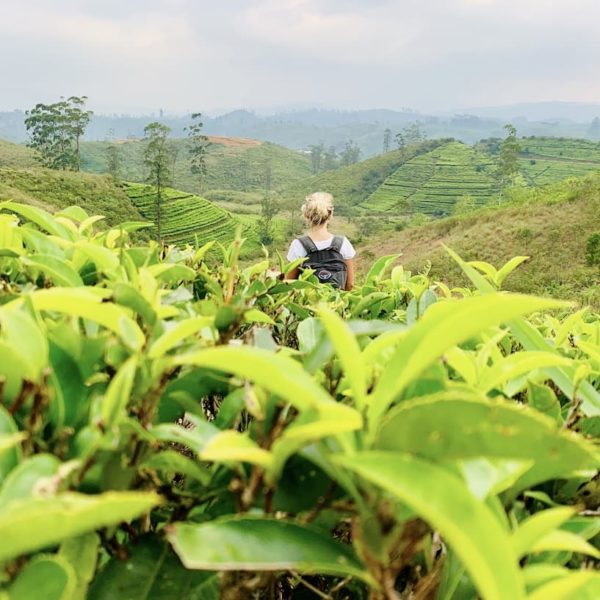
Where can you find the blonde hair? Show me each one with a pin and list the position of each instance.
(318, 208)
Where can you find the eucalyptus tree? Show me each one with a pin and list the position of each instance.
(198, 145)
(56, 130)
(157, 160)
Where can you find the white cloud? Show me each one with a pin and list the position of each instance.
(182, 54)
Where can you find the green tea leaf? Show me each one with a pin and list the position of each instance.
(443, 500)
(10, 452)
(81, 303)
(448, 427)
(262, 544)
(23, 479)
(278, 374)
(348, 352)
(565, 541)
(537, 526)
(56, 269)
(47, 577)
(177, 334)
(583, 585)
(34, 523)
(443, 326)
(81, 553)
(118, 394)
(152, 572)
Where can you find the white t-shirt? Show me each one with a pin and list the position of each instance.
(297, 249)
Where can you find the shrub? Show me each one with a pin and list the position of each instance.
(593, 250)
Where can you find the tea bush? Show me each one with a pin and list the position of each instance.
(176, 426)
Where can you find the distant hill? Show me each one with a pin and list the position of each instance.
(431, 183)
(298, 129)
(232, 164)
(550, 224)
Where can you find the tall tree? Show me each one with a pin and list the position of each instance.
(269, 207)
(414, 134)
(330, 159)
(350, 154)
(55, 131)
(316, 157)
(387, 140)
(78, 119)
(113, 160)
(198, 145)
(508, 160)
(401, 142)
(157, 160)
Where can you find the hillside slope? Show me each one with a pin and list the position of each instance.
(16, 156)
(53, 190)
(551, 225)
(185, 218)
(546, 160)
(232, 164)
(432, 183)
(353, 184)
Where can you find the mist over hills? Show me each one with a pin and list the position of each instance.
(298, 129)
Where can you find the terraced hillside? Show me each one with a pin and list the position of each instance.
(232, 164)
(546, 160)
(352, 185)
(551, 225)
(432, 183)
(186, 218)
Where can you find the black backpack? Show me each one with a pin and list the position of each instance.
(328, 264)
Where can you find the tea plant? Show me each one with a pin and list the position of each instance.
(175, 425)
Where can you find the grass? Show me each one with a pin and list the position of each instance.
(16, 155)
(549, 224)
(232, 164)
(54, 190)
(433, 182)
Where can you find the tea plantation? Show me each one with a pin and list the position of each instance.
(186, 218)
(433, 182)
(547, 160)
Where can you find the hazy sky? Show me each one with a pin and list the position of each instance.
(208, 55)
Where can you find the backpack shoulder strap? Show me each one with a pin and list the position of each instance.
(337, 242)
(308, 244)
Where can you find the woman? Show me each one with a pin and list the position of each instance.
(329, 256)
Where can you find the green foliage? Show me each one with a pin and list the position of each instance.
(56, 130)
(592, 248)
(157, 160)
(174, 424)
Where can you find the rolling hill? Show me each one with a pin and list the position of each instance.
(55, 190)
(237, 164)
(186, 218)
(353, 184)
(551, 225)
(431, 183)
(546, 160)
